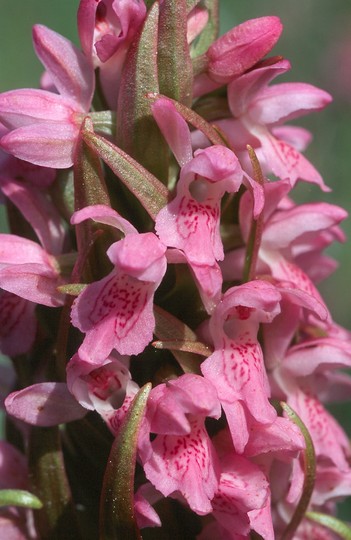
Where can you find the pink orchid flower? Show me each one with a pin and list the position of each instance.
(106, 29)
(43, 125)
(181, 460)
(259, 110)
(107, 389)
(191, 221)
(117, 311)
(243, 489)
(236, 368)
(291, 233)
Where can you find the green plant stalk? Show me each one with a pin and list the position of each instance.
(117, 520)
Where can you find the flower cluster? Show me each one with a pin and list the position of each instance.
(158, 287)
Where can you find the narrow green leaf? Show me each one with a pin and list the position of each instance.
(331, 523)
(89, 183)
(195, 347)
(169, 328)
(137, 131)
(151, 193)
(192, 118)
(89, 189)
(72, 289)
(256, 230)
(310, 475)
(19, 497)
(117, 520)
(56, 520)
(210, 32)
(175, 74)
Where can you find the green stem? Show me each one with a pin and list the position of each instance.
(57, 519)
(310, 475)
(331, 523)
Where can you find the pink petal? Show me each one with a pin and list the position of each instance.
(69, 69)
(146, 516)
(321, 354)
(287, 271)
(285, 101)
(170, 404)
(100, 388)
(197, 20)
(174, 129)
(261, 521)
(296, 136)
(329, 439)
(140, 255)
(103, 214)
(39, 211)
(34, 282)
(86, 23)
(242, 90)
(243, 487)
(25, 107)
(48, 145)
(305, 219)
(115, 312)
(281, 439)
(44, 404)
(187, 464)
(286, 162)
(209, 282)
(17, 250)
(243, 46)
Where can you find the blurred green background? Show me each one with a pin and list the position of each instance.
(314, 33)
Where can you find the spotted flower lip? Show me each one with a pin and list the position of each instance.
(176, 414)
(236, 368)
(116, 312)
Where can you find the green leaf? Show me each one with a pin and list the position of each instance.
(170, 329)
(73, 289)
(195, 347)
(331, 523)
(175, 74)
(310, 474)
(192, 118)
(137, 131)
(89, 189)
(117, 520)
(56, 520)
(89, 183)
(151, 193)
(19, 497)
